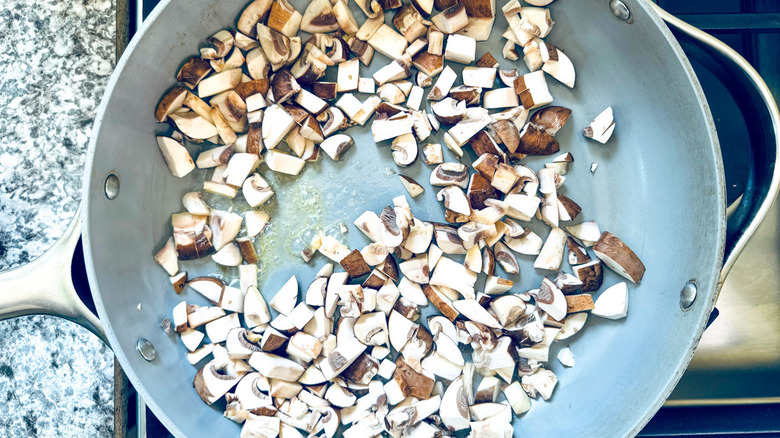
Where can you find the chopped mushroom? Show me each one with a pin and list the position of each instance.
(612, 303)
(446, 174)
(214, 380)
(388, 42)
(176, 156)
(619, 257)
(454, 406)
(451, 19)
(315, 370)
(404, 149)
(411, 186)
(461, 49)
(336, 145)
(600, 129)
(557, 64)
(319, 18)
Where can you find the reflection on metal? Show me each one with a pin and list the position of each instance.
(146, 349)
(620, 10)
(733, 206)
(737, 65)
(738, 358)
(112, 186)
(688, 295)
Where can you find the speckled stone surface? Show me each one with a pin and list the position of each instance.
(55, 59)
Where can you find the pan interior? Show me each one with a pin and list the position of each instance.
(658, 187)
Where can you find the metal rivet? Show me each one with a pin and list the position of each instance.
(112, 186)
(688, 295)
(146, 349)
(620, 10)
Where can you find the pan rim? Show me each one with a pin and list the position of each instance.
(720, 190)
(663, 390)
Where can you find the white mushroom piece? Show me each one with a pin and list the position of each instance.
(454, 199)
(284, 163)
(601, 128)
(613, 302)
(319, 18)
(336, 145)
(167, 259)
(176, 156)
(404, 149)
(557, 64)
(461, 49)
(451, 19)
(256, 190)
(411, 186)
(454, 410)
(449, 111)
(214, 380)
(276, 124)
(551, 254)
(385, 39)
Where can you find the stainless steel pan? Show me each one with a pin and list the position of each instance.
(659, 186)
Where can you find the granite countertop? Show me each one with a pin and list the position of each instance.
(56, 378)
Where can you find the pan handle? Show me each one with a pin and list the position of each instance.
(761, 115)
(44, 286)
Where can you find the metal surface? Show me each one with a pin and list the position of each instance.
(664, 165)
(763, 118)
(146, 349)
(718, 23)
(112, 186)
(44, 286)
(738, 358)
(620, 10)
(688, 295)
(673, 167)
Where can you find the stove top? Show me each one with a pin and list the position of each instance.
(732, 386)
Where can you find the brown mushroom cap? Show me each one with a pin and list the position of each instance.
(488, 261)
(534, 141)
(440, 302)
(508, 133)
(390, 268)
(479, 190)
(355, 265)
(487, 60)
(284, 86)
(486, 165)
(429, 64)
(171, 102)
(577, 253)
(193, 70)
(417, 384)
(470, 95)
(619, 257)
(590, 274)
(550, 119)
(579, 303)
(482, 143)
(257, 86)
(362, 370)
(571, 207)
(324, 90)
